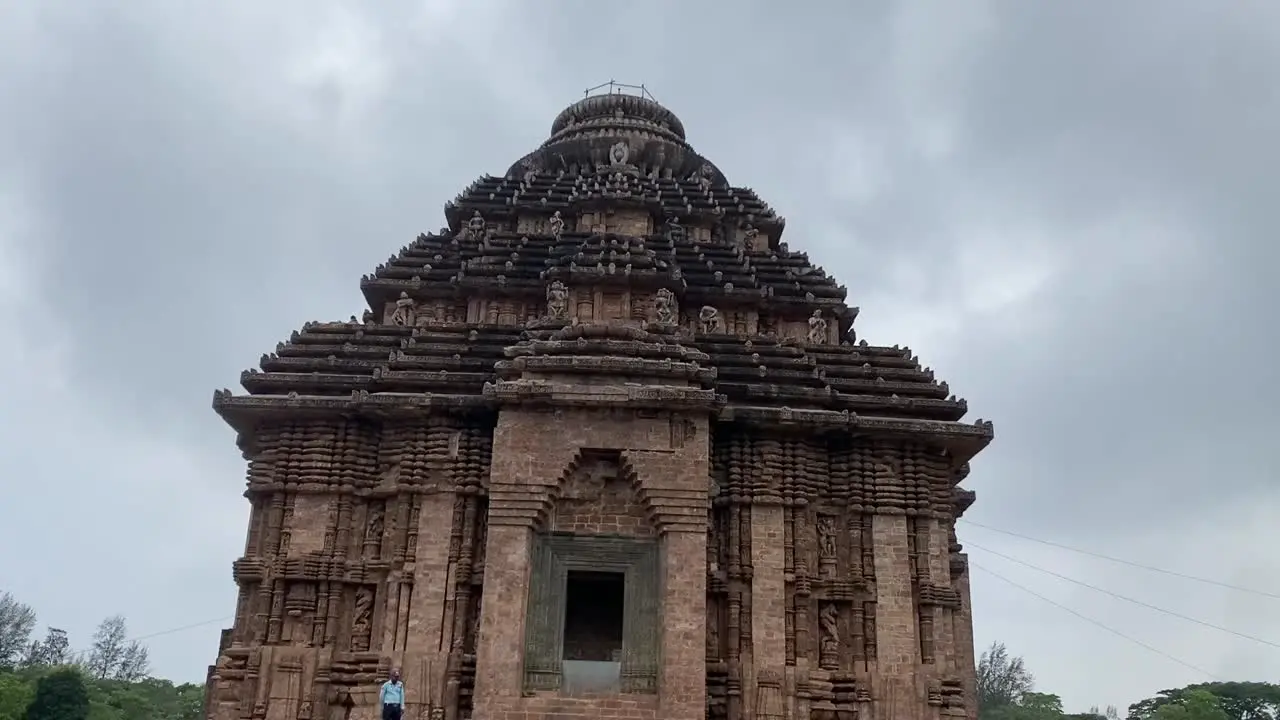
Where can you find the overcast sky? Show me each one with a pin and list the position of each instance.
(1067, 209)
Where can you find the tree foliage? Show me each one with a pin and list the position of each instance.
(1002, 680)
(1192, 705)
(54, 649)
(17, 622)
(46, 680)
(1006, 691)
(113, 656)
(147, 699)
(59, 695)
(1236, 700)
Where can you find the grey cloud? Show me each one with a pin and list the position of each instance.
(201, 184)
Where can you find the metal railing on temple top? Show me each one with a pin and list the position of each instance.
(616, 88)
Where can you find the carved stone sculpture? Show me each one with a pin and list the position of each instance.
(403, 314)
(665, 308)
(709, 320)
(829, 643)
(827, 545)
(619, 153)
(817, 328)
(674, 231)
(362, 618)
(556, 224)
(557, 301)
(476, 227)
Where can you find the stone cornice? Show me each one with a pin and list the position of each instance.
(244, 412)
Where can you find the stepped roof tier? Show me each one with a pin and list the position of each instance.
(612, 248)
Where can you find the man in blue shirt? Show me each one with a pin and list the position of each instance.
(392, 696)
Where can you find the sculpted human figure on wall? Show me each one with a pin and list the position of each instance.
(556, 224)
(703, 176)
(709, 319)
(826, 537)
(403, 313)
(665, 307)
(475, 226)
(829, 643)
(817, 328)
(557, 301)
(362, 618)
(674, 230)
(373, 532)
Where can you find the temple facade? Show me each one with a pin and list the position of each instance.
(604, 446)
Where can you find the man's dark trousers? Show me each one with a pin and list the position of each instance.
(391, 712)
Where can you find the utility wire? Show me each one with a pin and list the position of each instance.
(1122, 561)
(170, 631)
(1091, 621)
(1126, 598)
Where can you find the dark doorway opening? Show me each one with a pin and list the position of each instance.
(593, 609)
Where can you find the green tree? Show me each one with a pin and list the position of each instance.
(60, 695)
(1194, 705)
(1239, 700)
(16, 693)
(1030, 706)
(147, 699)
(17, 621)
(1002, 680)
(113, 656)
(53, 650)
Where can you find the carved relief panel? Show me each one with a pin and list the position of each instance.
(507, 312)
(444, 311)
(629, 222)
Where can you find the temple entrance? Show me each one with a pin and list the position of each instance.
(593, 620)
(594, 608)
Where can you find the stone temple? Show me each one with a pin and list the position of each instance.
(604, 446)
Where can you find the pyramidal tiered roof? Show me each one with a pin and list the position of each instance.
(613, 249)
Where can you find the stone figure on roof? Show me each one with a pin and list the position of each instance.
(703, 176)
(817, 328)
(557, 301)
(709, 319)
(665, 307)
(403, 312)
(619, 153)
(674, 230)
(476, 226)
(556, 224)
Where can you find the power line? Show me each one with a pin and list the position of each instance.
(1122, 561)
(1126, 598)
(192, 626)
(1091, 621)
